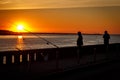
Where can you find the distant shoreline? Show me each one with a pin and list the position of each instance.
(7, 32)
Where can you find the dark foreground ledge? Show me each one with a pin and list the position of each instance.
(108, 70)
(42, 63)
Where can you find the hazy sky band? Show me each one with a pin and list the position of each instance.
(31, 4)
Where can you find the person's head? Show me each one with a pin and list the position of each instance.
(79, 33)
(105, 32)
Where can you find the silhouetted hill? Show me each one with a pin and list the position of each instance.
(6, 32)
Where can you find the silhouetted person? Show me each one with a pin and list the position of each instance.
(79, 45)
(79, 40)
(106, 37)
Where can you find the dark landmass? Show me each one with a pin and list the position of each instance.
(7, 32)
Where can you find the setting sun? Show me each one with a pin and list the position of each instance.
(20, 27)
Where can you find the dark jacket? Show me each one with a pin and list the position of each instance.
(80, 40)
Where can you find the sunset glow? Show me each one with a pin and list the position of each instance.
(61, 16)
(20, 27)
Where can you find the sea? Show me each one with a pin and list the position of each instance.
(40, 41)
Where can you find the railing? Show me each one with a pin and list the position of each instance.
(50, 60)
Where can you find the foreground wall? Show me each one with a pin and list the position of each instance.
(45, 61)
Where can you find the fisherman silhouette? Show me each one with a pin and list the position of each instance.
(79, 40)
(106, 37)
(79, 46)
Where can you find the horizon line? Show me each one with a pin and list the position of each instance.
(13, 32)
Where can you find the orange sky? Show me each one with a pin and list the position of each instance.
(63, 20)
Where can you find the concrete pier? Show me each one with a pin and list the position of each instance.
(39, 63)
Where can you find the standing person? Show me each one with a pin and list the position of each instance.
(106, 37)
(79, 40)
(79, 46)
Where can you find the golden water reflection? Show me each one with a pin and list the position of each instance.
(20, 43)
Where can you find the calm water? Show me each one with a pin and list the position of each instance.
(14, 42)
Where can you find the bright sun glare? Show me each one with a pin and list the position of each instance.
(20, 27)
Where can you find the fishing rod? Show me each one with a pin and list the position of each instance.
(48, 42)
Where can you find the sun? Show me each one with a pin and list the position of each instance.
(20, 27)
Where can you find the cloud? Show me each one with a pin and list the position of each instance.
(56, 3)
(4, 1)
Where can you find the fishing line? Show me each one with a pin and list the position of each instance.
(48, 42)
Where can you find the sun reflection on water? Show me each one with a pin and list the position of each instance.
(20, 42)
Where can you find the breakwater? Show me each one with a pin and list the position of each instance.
(46, 61)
